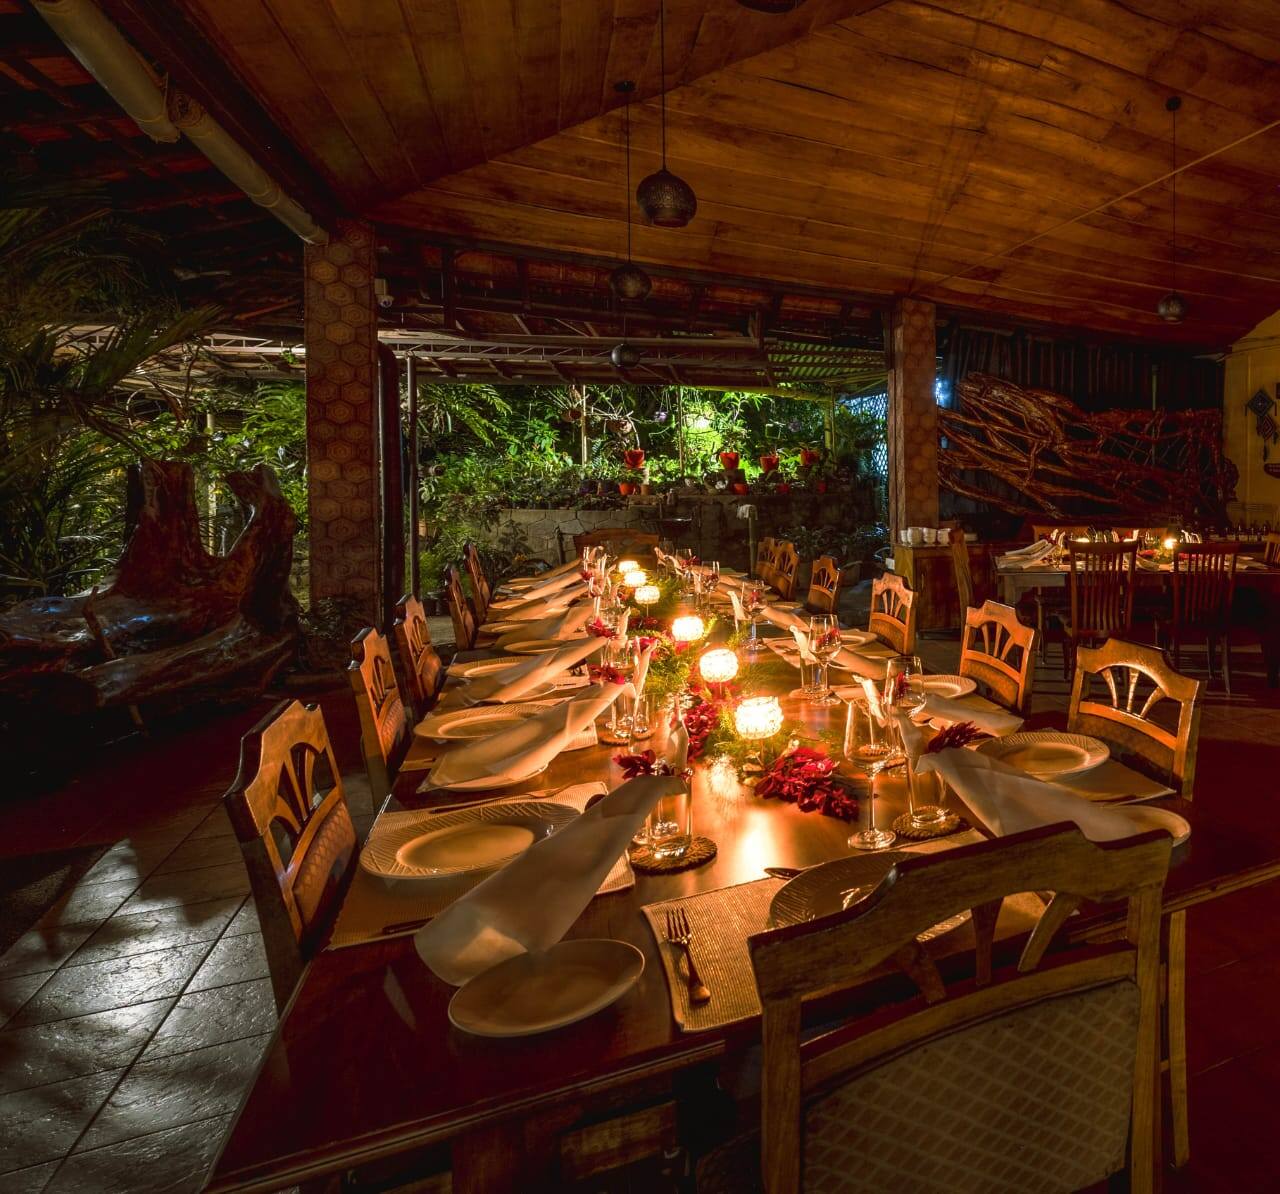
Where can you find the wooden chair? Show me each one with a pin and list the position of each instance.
(824, 586)
(1100, 583)
(1030, 1077)
(481, 589)
(295, 832)
(1136, 683)
(766, 554)
(964, 572)
(786, 563)
(419, 662)
(893, 613)
(999, 652)
(1271, 550)
(385, 731)
(621, 541)
(466, 626)
(1204, 582)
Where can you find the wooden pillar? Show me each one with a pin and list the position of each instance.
(913, 416)
(340, 332)
(392, 448)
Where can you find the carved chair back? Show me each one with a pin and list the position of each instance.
(766, 557)
(385, 730)
(295, 831)
(1271, 549)
(481, 589)
(1101, 580)
(1204, 579)
(1130, 712)
(419, 662)
(786, 563)
(893, 613)
(462, 613)
(1071, 1044)
(998, 651)
(824, 586)
(963, 570)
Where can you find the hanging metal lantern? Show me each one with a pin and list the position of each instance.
(666, 199)
(1172, 308)
(624, 356)
(772, 6)
(630, 283)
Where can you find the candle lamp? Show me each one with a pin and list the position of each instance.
(718, 666)
(688, 628)
(625, 566)
(758, 718)
(635, 579)
(648, 595)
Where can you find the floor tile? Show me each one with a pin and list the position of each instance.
(62, 1049)
(42, 950)
(174, 1161)
(128, 859)
(89, 901)
(216, 824)
(246, 920)
(169, 1091)
(213, 1017)
(14, 993)
(188, 887)
(162, 928)
(43, 1122)
(116, 982)
(28, 1181)
(233, 960)
(197, 853)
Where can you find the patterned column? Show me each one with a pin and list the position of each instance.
(913, 417)
(342, 419)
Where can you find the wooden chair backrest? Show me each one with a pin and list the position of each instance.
(936, 1067)
(295, 831)
(766, 556)
(786, 563)
(824, 586)
(1137, 680)
(893, 613)
(463, 615)
(1204, 579)
(963, 570)
(1271, 549)
(999, 652)
(1101, 580)
(385, 730)
(419, 662)
(481, 589)
(620, 540)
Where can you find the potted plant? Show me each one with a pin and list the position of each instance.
(809, 457)
(630, 481)
(633, 458)
(769, 462)
(741, 487)
(729, 461)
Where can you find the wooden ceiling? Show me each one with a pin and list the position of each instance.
(1004, 156)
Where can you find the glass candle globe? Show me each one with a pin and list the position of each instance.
(757, 718)
(718, 666)
(647, 595)
(687, 629)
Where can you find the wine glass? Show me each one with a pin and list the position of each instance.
(904, 693)
(752, 604)
(865, 746)
(824, 642)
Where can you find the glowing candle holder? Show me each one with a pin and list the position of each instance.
(648, 595)
(758, 718)
(688, 628)
(625, 566)
(635, 579)
(718, 666)
(1169, 544)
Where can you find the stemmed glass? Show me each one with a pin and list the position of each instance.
(864, 744)
(752, 604)
(903, 694)
(824, 642)
(710, 579)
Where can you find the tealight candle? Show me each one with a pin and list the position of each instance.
(635, 579)
(1170, 544)
(687, 629)
(625, 566)
(718, 666)
(648, 595)
(757, 718)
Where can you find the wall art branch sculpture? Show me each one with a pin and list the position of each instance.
(1056, 459)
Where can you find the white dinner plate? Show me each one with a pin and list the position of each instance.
(478, 721)
(482, 667)
(856, 638)
(1047, 754)
(463, 842)
(950, 687)
(833, 886)
(1156, 818)
(534, 993)
(486, 783)
(537, 646)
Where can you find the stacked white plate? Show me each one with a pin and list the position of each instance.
(476, 722)
(1047, 754)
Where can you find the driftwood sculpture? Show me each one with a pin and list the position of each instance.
(174, 624)
(1057, 459)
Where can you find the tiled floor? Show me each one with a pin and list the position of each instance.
(132, 1017)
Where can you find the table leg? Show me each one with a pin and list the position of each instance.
(517, 1154)
(1175, 1012)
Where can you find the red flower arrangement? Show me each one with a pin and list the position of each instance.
(957, 735)
(699, 720)
(645, 763)
(601, 629)
(806, 778)
(645, 622)
(604, 673)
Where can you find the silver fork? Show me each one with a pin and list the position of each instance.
(679, 933)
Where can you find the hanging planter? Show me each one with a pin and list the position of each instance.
(769, 462)
(729, 461)
(633, 457)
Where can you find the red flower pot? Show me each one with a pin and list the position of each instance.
(784, 487)
(809, 457)
(626, 488)
(728, 461)
(741, 487)
(769, 462)
(821, 486)
(633, 457)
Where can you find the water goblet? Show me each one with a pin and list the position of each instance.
(824, 642)
(865, 747)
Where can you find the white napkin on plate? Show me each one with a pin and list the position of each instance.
(784, 618)
(739, 614)
(511, 683)
(564, 624)
(1026, 557)
(872, 693)
(534, 900)
(990, 721)
(802, 641)
(643, 659)
(524, 749)
(1008, 800)
(557, 586)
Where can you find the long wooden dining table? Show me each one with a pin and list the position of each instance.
(365, 1064)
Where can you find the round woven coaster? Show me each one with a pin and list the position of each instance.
(922, 833)
(701, 850)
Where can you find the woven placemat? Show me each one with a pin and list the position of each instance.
(721, 922)
(701, 850)
(374, 903)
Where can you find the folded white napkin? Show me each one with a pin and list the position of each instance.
(856, 659)
(564, 624)
(784, 618)
(1026, 557)
(643, 658)
(556, 585)
(524, 749)
(990, 721)
(802, 641)
(1009, 801)
(739, 615)
(872, 692)
(518, 583)
(513, 682)
(534, 900)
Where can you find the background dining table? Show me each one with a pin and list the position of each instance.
(366, 1065)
